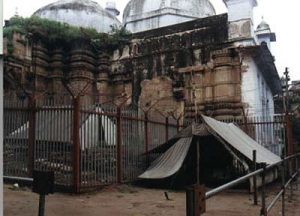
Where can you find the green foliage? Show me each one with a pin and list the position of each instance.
(8, 32)
(52, 32)
(117, 38)
(10, 48)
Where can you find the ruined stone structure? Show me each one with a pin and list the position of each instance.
(214, 65)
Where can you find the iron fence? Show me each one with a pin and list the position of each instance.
(289, 167)
(85, 145)
(15, 149)
(269, 131)
(93, 145)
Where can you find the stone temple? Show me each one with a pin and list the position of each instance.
(182, 58)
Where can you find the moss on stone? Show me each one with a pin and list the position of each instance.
(54, 33)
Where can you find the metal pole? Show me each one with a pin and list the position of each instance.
(254, 179)
(283, 188)
(291, 174)
(297, 170)
(76, 144)
(220, 189)
(146, 133)
(167, 129)
(178, 125)
(31, 134)
(289, 135)
(263, 211)
(198, 162)
(119, 146)
(42, 205)
(287, 79)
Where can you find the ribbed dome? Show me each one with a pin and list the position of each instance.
(83, 13)
(183, 10)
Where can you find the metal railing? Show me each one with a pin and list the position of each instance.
(293, 171)
(85, 145)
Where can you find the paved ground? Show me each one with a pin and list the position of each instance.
(133, 201)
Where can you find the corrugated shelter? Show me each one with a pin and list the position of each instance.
(236, 142)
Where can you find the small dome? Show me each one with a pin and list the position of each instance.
(137, 10)
(82, 13)
(263, 26)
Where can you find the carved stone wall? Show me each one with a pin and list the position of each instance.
(185, 70)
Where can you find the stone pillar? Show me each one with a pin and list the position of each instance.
(81, 73)
(40, 65)
(102, 78)
(226, 82)
(56, 73)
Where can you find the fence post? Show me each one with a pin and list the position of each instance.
(290, 148)
(297, 170)
(119, 146)
(283, 188)
(254, 178)
(167, 129)
(263, 211)
(291, 173)
(178, 125)
(31, 134)
(146, 133)
(76, 144)
(198, 163)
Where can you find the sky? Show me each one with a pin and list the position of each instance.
(282, 17)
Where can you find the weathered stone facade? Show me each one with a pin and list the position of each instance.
(181, 70)
(191, 66)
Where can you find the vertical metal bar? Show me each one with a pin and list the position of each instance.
(146, 133)
(291, 174)
(283, 188)
(198, 162)
(31, 134)
(263, 211)
(41, 205)
(289, 135)
(297, 170)
(167, 129)
(146, 138)
(254, 179)
(119, 146)
(76, 144)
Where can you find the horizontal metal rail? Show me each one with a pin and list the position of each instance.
(22, 179)
(224, 187)
(283, 160)
(274, 201)
(229, 185)
(291, 179)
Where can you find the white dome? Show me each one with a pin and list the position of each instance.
(263, 26)
(82, 13)
(137, 10)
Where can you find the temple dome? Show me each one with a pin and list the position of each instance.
(142, 15)
(82, 13)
